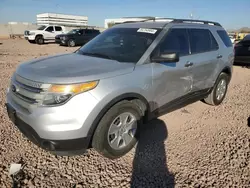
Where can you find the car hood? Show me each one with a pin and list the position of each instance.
(66, 34)
(60, 35)
(71, 68)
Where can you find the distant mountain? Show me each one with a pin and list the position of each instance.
(241, 30)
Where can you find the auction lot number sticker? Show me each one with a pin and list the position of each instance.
(146, 30)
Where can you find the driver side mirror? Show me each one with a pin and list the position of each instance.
(169, 57)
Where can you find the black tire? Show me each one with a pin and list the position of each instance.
(39, 40)
(100, 138)
(71, 43)
(211, 99)
(32, 41)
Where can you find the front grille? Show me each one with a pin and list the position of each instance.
(26, 32)
(26, 99)
(26, 87)
(26, 92)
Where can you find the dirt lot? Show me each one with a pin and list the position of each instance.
(196, 146)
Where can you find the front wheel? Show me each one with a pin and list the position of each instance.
(117, 132)
(39, 40)
(219, 91)
(71, 43)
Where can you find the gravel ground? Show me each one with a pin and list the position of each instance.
(196, 146)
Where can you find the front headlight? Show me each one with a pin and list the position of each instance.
(58, 94)
(32, 33)
(63, 38)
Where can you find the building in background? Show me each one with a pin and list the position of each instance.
(110, 22)
(61, 19)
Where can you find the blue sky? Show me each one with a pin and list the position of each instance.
(231, 14)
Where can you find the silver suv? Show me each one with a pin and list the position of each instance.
(100, 95)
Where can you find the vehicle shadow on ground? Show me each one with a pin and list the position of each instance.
(243, 65)
(150, 163)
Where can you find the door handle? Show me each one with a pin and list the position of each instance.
(219, 56)
(188, 64)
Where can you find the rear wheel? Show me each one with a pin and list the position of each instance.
(71, 43)
(118, 130)
(39, 40)
(219, 91)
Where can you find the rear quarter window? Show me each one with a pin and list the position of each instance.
(225, 38)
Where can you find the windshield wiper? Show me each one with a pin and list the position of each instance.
(96, 55)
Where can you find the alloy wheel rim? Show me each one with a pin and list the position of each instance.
(221, 89)
(72, 43)
(40, 41)
(122, 130)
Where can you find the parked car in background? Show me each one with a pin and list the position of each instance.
(76, 37)
(232, 38)
(44, 33)
(242, 51)
(101, 95)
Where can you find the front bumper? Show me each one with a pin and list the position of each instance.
(242, 59)
(29, 37)
(60, 41)
(63, 128)
(59, 147)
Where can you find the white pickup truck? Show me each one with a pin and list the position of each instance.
(44, 33)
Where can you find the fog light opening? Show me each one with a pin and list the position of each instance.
(48, 145)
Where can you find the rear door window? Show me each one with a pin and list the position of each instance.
(225, 38)
(214, 44)
(202, 40)
(57, 28)
(175, 41)
(96, 31)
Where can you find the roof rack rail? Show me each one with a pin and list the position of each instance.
(175, 20)
(196, 21)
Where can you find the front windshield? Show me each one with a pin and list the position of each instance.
(73, 31)
(41, 27)
(121, 44)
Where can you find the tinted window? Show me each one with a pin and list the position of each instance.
(81, 31)
(121, 44)
(93, 31)
(201, 40)
(225, 38)
(175, 41)
(88, 31)
(96, 31)
(57, 28)
(50, 28)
